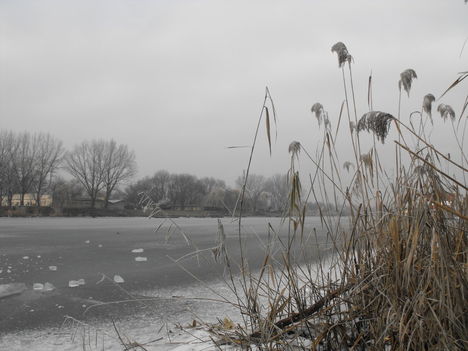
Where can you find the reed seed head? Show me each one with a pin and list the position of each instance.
(347, 165)
(294, 148)
(377, 122)
(318, 110)
(427, 104)
(342, 52)
(406, 79)
(446, 111)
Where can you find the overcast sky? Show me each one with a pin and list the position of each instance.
(180, 81)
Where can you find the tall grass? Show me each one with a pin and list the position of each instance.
(397, 278)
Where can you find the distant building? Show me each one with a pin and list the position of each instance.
(29, 200)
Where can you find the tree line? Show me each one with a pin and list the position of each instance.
(29, 163)
(185, 190)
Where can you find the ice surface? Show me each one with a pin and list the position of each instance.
(11, 289)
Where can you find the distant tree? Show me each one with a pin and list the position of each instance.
(277, 187)
(160, 185)
(135, 191)
(86, 163)
(254, 189)
(230, 199)
(49, 153)
(63, 191)
(209, 184)
(24, 163)
(8, 146)
(119, 166)
(153, 189)
(100, 165)
(185, 189)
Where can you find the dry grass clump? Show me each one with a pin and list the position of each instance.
(412, 257)
(398, 275)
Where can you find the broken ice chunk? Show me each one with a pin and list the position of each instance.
(38, 286)
(48, 287)
(75, 283)
(141, 259)
(52, 268)
(25, 257)
(87, 241)
(118, 279)
(137, 250)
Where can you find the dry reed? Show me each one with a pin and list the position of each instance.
(397, 279)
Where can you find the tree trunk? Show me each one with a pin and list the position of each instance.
(10, 199)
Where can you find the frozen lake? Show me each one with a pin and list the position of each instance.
(139, 250)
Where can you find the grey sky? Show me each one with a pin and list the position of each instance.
(179, 81)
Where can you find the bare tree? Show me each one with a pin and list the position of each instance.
(86, 163)
(8, 146)
(254, 189)
(119, 166)
(63, 191)
(160, 185)
(277, 186)
(185, 189)
(210, 184)
(24, 163)
(49, 153)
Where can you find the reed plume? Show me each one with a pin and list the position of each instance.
(294, 148)
(342, 52)
(406, 79)
(446, 111)
(377, 122)
(318, 110)
(427, 104)
(347, 165)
